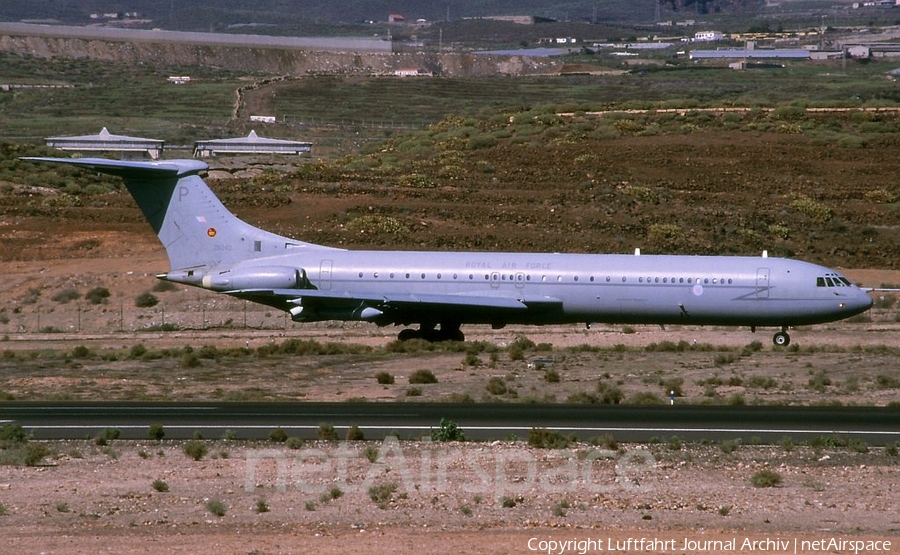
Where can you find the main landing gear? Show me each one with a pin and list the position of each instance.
(447, 332)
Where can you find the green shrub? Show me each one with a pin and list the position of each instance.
(819, 381)
(381, 493)
(375, 223)
(195, 449)
(11, 434)
(262, 506)
(216, 507)
(448, 430)
(645, 398)
(97, 295)
(666, 237)
(146, 300)
(327, 432)
(294, 442)
(65, 296)
(278, 435)
(422, 377)
(355, 434)
(881, 196)
(766, 479)
(496, 386)
(609, 394)
(812, 209)
(160, 486)
(163, 286)
(137, 351)
(35, 453)
(546, 439)
(156, 432)
(384, 378)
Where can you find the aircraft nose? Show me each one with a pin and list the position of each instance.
(861, 302)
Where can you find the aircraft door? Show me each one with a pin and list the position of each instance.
(762, 283)
(325, 274)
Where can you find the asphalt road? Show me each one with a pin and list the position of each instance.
(628, 423)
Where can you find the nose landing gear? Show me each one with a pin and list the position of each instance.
(782, 339)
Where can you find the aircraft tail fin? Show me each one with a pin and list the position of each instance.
(193, 225)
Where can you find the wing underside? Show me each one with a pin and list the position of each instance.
(309, 305)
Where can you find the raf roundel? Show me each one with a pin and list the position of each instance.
(698, 290)
(211, 232)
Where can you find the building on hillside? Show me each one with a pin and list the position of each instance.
(413, 72)
(126, 147)
(251, 144)
(708, 36)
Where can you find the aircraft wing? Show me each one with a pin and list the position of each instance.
(394, 307)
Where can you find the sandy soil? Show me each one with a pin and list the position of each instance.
(448, 498)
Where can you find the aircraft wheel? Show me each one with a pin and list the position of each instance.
(781, 339)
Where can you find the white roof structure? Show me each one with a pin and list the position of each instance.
(107, 142)
(251, 144)
(797, 54)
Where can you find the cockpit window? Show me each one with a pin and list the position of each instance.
(833, 280)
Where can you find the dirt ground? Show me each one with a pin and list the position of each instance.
(408, 497)
(91, 498)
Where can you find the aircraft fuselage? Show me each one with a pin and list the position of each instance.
(631, 289)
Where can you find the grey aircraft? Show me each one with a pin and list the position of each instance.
(209, 247)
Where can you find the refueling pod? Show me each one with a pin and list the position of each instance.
(261, 277)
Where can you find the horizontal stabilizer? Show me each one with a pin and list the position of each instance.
(131, 168)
